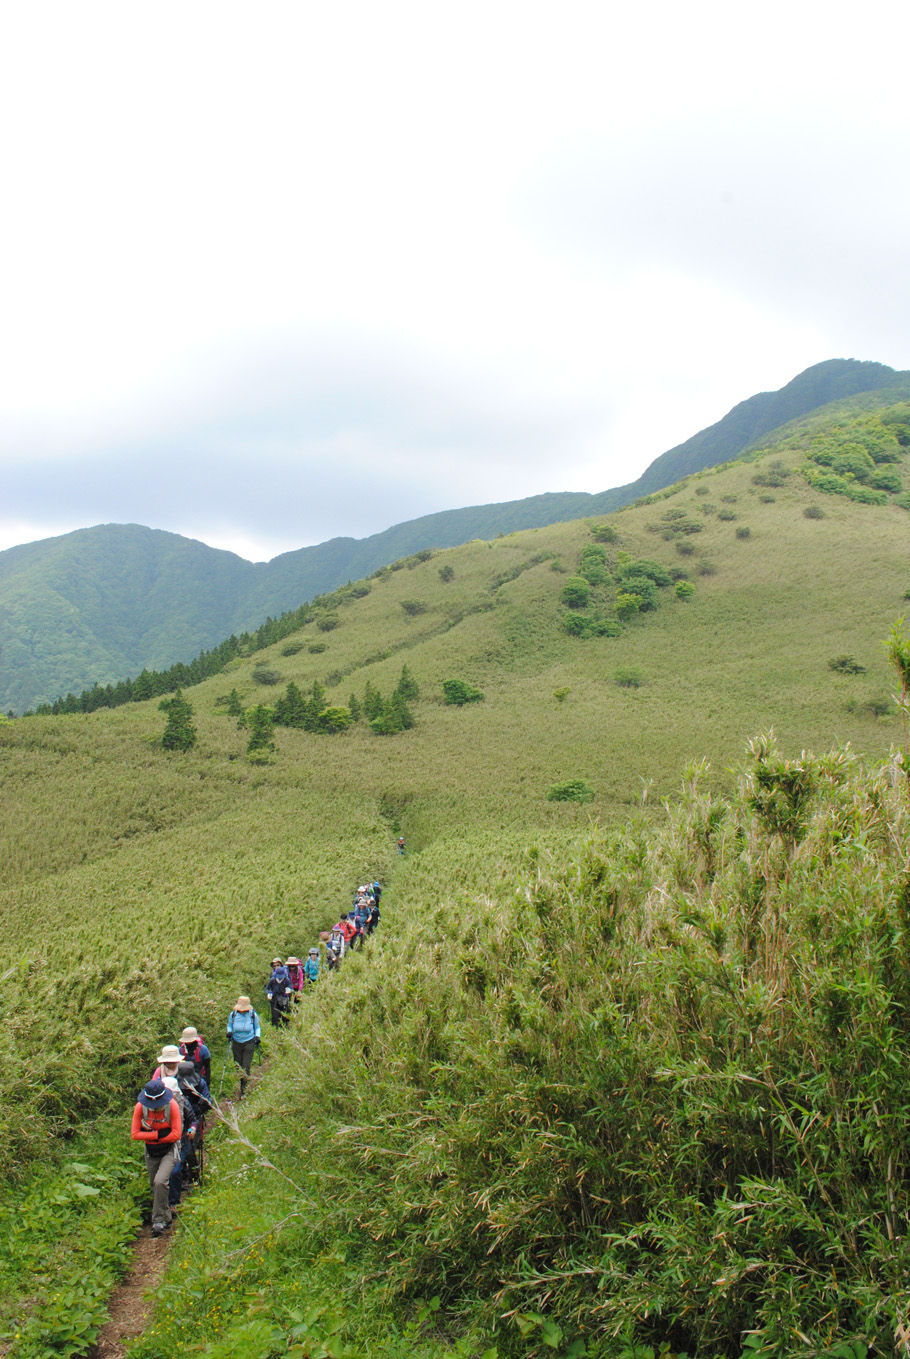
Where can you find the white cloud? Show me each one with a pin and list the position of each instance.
(339, 262)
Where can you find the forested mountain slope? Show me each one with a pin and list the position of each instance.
(104, 603)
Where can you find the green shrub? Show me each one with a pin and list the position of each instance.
(413, 607)
(562, 693)
(317, 648)
(627, 605)
(291, 648)
(726, 515)
(846, 665)
(263, 674)
(644, 589)
(886, 479)
(629, 678)
(684, 589)
(328, 622)
(572, 790)
(684, 548)
(447, 572)
(643, 567)
(334, 719)
(593, 567)
(604, 533)
(865, 495)
(576, 593)
(458, 692)
(706, 568)
(903, 501)
(743, 532)
(813, 512)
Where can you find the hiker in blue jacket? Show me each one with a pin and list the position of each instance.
(244, 1035)
(311, 967)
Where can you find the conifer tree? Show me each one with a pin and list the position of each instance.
(262, 732)
(180, 731)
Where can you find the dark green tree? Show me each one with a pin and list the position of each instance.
(408, 687)
(234, 704)
(262, 732)
(373, 703)
(180, 730)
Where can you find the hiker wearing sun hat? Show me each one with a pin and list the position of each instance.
(157, 1123)
(243, 1035)
(295, 972)
(194, 1050)
(168, 1059)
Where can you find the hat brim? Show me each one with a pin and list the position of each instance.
(158, 1102)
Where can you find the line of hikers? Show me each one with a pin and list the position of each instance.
(169, 1116)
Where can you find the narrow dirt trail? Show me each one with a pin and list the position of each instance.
(133, 1301)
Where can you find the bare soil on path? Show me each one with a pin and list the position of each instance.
(133, 1301)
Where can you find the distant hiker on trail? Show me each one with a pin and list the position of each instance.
(194, 1050)
(158, 1124)
(295, 972)
(401, 844)
(278, 990)
(311, 967)
(243, 1035)
(335, 946)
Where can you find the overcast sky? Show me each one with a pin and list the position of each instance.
(276, 272)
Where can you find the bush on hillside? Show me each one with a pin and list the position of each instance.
(743, 532)
(629, 678)
(458, 692)
(594, 568)
(591, 625)
(413, 607)
(846, 665)
(317, 648)
(684, 589)
(572, 790)
(576, 593)
(328, 622)
(813, 512)
(291, 648)
(604, 533)
(447, 572)
(264, 674)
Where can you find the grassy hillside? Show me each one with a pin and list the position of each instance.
(105, 603)
(474, 1112)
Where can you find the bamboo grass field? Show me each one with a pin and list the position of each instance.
(591, 1064)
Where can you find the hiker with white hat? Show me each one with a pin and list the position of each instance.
(168, 1059)
(243, 1035)
(157, 1122)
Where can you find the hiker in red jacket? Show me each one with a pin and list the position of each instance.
(158, 1124)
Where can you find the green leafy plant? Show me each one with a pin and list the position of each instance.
(459, 692)
(571, 790)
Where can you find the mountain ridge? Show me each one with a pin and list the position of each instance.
(101, 603)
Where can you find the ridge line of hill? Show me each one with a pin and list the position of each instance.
(102, 603)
